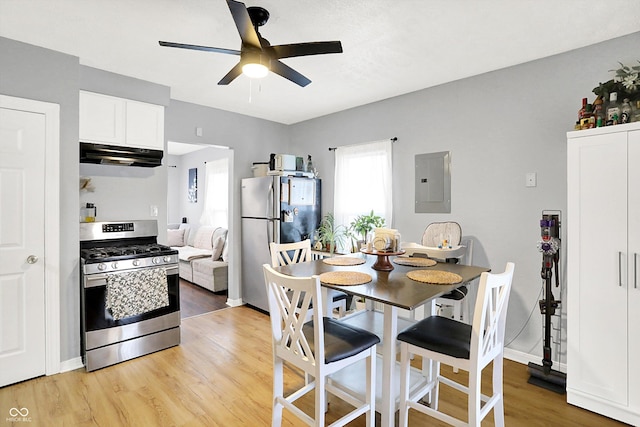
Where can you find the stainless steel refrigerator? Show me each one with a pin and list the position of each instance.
(279, 209)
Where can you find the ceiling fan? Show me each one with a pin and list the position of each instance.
(257, 56)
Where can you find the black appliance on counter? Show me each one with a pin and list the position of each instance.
(130, 292)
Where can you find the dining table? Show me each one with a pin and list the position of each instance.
(395, 293)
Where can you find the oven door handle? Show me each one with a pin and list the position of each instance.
(100, 279)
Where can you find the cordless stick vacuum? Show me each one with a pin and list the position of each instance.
(549, 245)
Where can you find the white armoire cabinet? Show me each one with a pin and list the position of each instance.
(117, 121)
(603, 271)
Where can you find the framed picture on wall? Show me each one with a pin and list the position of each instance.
(192, 192)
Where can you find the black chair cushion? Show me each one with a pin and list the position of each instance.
(340, 340)
(440, 334)
(456, 294)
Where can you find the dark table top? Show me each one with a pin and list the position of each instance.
(388, 287)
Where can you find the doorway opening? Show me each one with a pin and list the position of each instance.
(190, 184)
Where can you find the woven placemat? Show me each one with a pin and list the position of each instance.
(345, 278)
(344, 260)
(436, 277)
(414, 261)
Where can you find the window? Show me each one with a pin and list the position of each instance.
(363, 181)
(216, 196)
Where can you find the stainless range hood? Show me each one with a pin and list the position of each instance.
(121, 156)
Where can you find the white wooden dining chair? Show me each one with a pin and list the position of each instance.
(433, 236)
(292, 253)
(467, 347)
(318, 347)
(457, 299)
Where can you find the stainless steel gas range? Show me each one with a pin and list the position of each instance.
(130, 296)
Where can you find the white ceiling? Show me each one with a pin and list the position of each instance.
(391, 47)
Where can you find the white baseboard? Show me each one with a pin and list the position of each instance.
(525, 358)
(71, 364)
(235, 302)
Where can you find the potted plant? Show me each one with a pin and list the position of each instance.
(330, 234)
(362, 226)
(626, 83)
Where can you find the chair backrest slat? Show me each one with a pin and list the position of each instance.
(490, 315)
(290, 253)
(290, 298)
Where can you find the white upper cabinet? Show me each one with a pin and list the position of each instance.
(101, 118)
(116, 121)
(144, 125)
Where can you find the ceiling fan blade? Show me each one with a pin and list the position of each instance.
(195, 47)
(289, 73)
(243, 22)
(231, 75)
(304, 49)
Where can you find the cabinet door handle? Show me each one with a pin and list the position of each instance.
(620, 269)
(635, 270)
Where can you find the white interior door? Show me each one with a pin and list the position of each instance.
(22, 245)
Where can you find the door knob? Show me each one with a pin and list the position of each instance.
(32, 259)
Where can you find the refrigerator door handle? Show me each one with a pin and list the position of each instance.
(269, 234)
(273, 232)
(270, 201)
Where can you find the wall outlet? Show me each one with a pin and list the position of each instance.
(531, 179)
(153, 211)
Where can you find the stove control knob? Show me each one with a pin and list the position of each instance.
(166, 259)
(136, 262)
(101, 266)
(156, 260)
(114, 265)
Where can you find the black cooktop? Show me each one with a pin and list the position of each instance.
(113, 253)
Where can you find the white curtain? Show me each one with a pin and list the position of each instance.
(363, 181)
(216, 194)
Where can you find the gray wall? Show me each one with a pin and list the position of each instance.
(174, 186)
(498, 126)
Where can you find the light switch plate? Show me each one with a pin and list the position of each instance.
(153, 211)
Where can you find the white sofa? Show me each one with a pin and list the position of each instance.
(203, 254)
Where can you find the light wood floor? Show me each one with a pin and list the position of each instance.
(221, 376)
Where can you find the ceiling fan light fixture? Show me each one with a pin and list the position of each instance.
(255, 70)
(257, 56)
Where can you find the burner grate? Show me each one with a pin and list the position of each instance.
(125, 252)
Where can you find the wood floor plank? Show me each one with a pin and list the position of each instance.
(196, 300)
(221, 375)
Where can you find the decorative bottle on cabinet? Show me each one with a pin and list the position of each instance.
(613, 109)
(598, 112)
(625, 111)
(636, 113)
(582, 109)
(603, 278)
